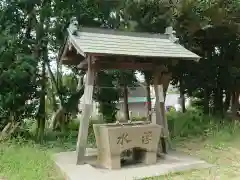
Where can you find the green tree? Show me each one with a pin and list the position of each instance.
(126, 79)
(209, 29)
(107, 94)
(18, 78)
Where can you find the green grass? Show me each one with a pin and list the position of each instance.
(26, 161)
(222, 149)
(216, 143)
(23, 159)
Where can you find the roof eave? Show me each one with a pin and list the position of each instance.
(196, 59)
(73, 42)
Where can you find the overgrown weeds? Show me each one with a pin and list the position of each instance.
(22, 158)
(194, 123)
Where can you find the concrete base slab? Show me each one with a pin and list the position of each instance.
(171, 163)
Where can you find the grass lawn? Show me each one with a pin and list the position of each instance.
(28, 161)
(221, 150)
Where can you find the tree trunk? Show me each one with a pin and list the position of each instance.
(218, 101)
(55, 83)
(206, 101)
(182, 97)
(227, 101)
(8, 130)
(215, 101)
(57, 118)
(221, 103)
(41, 53)
(41, 128)
(149, 102)
(51, 93)
(41, 113)
(5, 131)
(125, 103)
(235, 103)
(59, 115)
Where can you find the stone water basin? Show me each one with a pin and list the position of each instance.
(113, 139)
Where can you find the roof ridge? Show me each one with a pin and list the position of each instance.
(123, 33)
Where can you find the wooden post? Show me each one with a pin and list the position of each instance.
(125, 104)
(160, 110)
(87, 110)
(149, 102)
(164, 82)
(158, 119)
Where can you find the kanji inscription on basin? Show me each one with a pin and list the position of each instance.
(123, 139)
(147, 137)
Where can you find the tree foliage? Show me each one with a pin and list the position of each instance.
(211, 30)
(33, 31)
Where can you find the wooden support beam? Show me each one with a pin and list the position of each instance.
(160, 109)
(83, 64)
(87, 110)
(165, 81)
(124, 65)
(71, 58)
(157, 76)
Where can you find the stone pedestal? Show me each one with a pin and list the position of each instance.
(113, 139)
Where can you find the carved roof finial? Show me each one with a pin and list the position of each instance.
(73, 26)
(171, 33)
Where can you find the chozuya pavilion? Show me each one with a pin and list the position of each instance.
(94, 50)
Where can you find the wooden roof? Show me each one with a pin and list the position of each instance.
(111, 43)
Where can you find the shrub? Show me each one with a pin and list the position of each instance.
(193, 122)
(74, 126)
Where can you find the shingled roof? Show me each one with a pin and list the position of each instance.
(111, 42)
